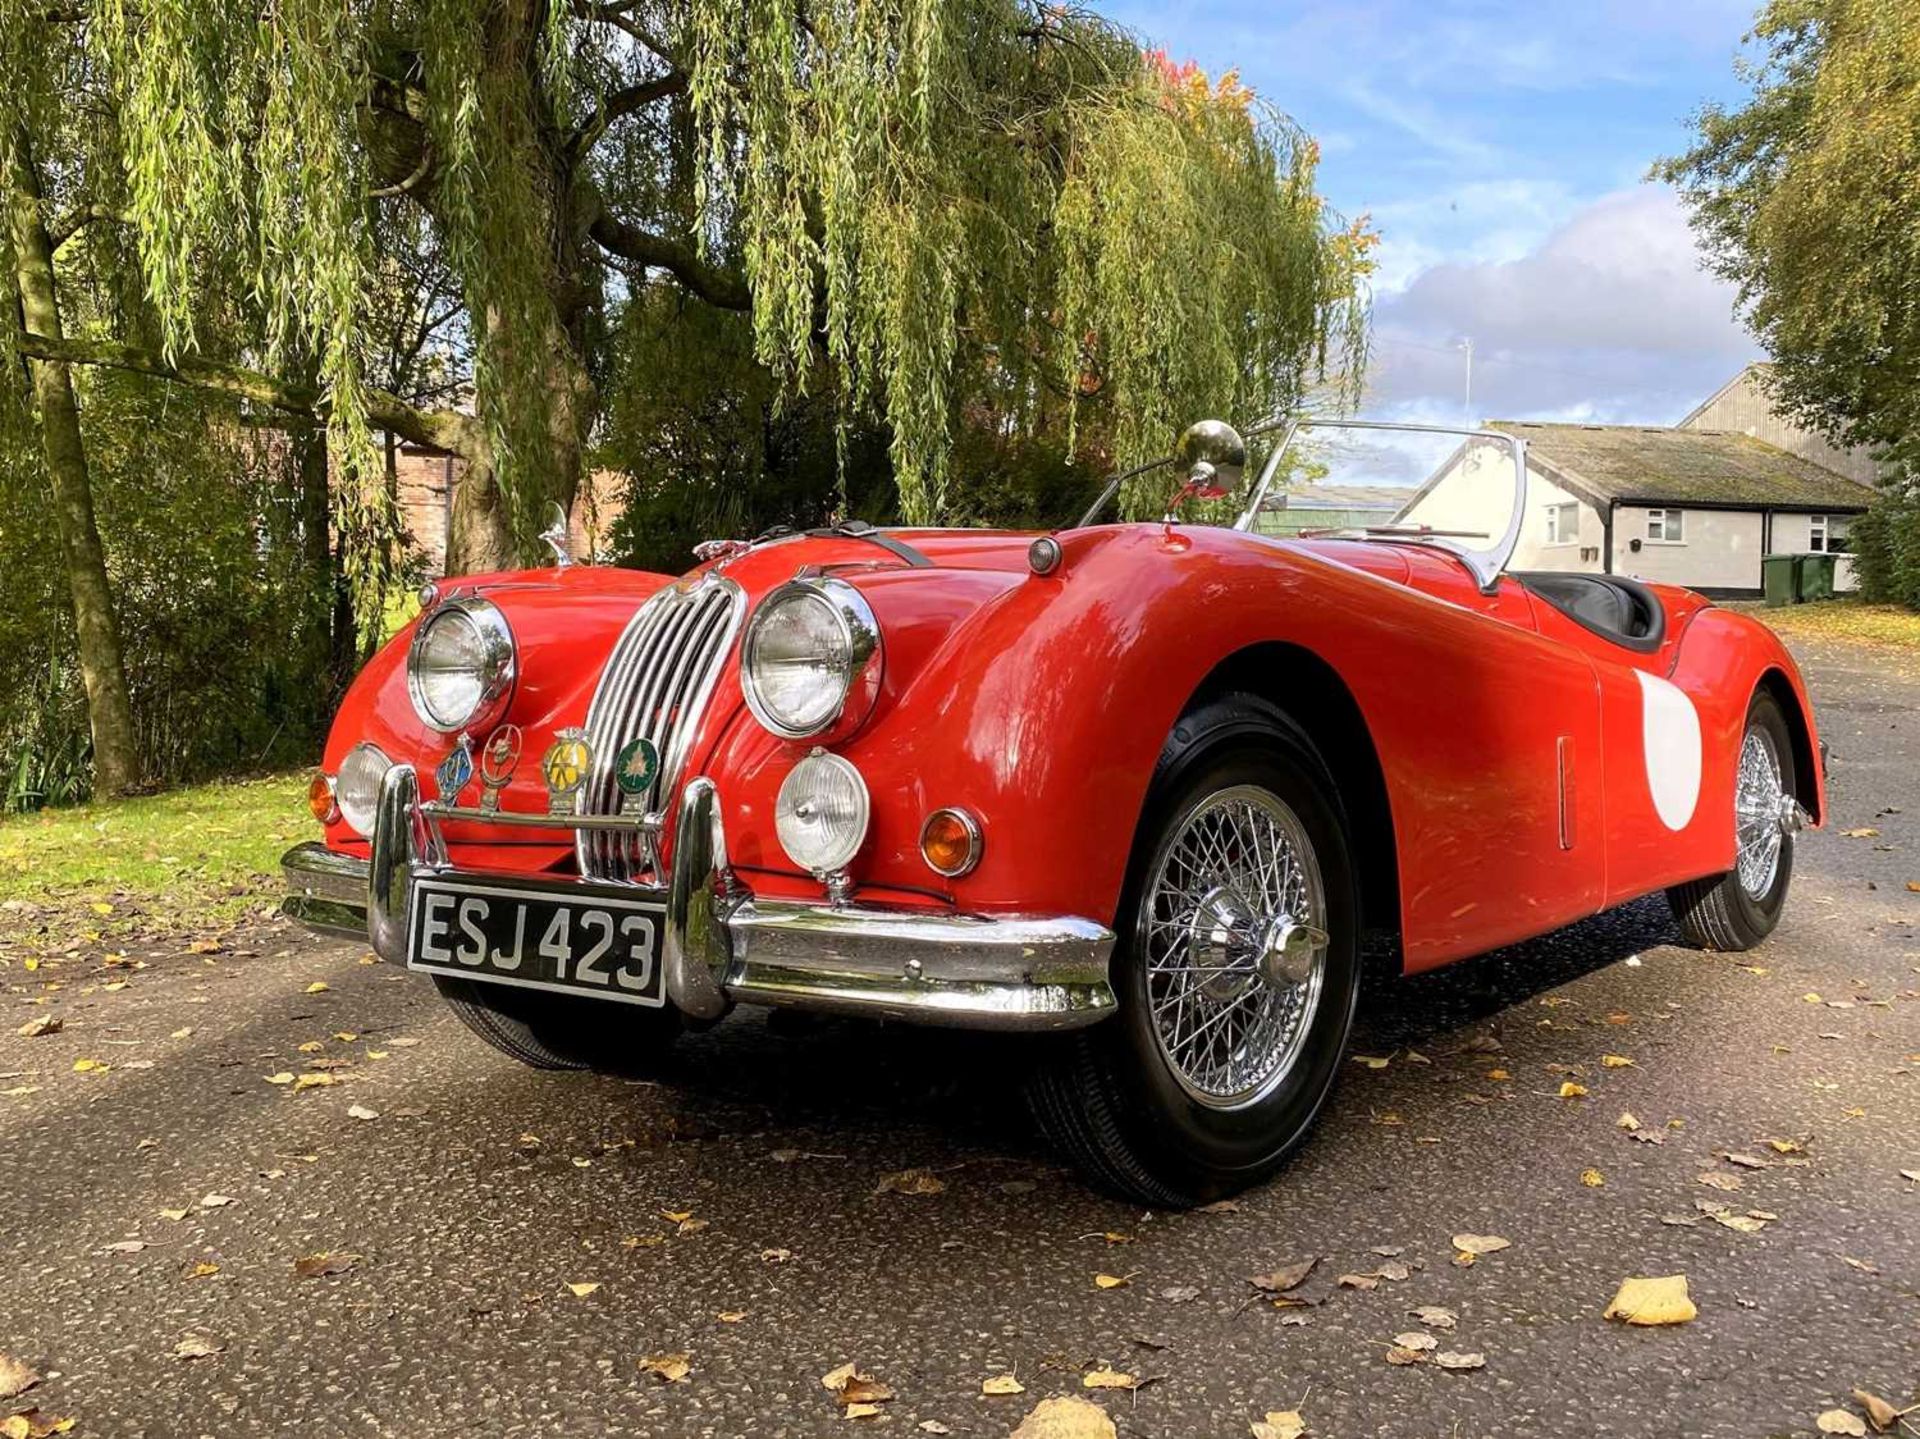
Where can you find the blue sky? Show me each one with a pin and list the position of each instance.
(1501, 147)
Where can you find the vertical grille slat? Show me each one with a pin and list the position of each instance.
(656, 683)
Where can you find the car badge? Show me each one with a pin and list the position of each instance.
(565, 769)
(637, 766)
(498, 761)
(455, 771)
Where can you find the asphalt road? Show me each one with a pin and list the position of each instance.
(481, 1191)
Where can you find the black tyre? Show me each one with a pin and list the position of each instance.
(1736, 910)
(1237, 970)
(552, 1031)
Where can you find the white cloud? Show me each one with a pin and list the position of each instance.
(1609, 317)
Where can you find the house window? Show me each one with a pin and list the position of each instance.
(1827, 534)
(1563, 524)
(1666, 525)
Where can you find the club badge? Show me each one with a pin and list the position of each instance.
(455, 771)
(565, 768)
(637, 766)
(498, 761)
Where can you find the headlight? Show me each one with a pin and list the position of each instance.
(821, 815)
(811, 660)
(460, 667)
(357, 791)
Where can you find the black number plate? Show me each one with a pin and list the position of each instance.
(586, 943)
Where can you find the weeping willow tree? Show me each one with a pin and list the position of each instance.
(926, 211)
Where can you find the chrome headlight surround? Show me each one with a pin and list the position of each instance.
(497, 669)
(854, 658)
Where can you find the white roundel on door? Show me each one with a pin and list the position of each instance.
(1670, 729)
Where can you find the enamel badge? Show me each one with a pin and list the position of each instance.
(637, 766)
(455, 771)
(565, 769)
(498, 761)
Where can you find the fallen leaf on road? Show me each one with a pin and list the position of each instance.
(197, 1346)
(1358, 1281)
(668, 1368)
(1414, 1339)
(283, 1077)
(1913, 1174)
(176, 1215)
(1219, 1206)
(1615, 1061)
(1373, 1061)
(1434, 1317)
(89, 1066)
(1106, 1378)
(1747, 1161)
(1881, 1414)
(40, 1024)
(932, 1426)
(1592, 1178)
(360, 1111)
(911, 1181)
(861, 1409)
(1401, 1357)
(15, 1377)
(1478, 1244)
(318, 1266)
(1451, 1360)
(1864, 832)
(1653, 1301)
(1002, 1384)
(319, 986)
(1287, 1276)
(1570, 1090)
(125, 1246)
(731, 1316)
(1109, 1281)
(1786, 1146)
(1840, 1421)
(1180, 1293)
(204, 946)
(1066, 1417)
(204, 1269)
(1280, 1424)
(1499, 1076)
(1719, 1179)
(215, 1201)
(315, 1081)
(581, 1291)
(30, 1423)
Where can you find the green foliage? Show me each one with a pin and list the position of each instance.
(1808, 198)
(1886, 546)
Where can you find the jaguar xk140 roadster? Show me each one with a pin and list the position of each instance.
(1142, 788)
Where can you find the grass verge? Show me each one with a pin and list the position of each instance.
(1888, 626)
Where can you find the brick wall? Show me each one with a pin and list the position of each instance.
(423, 477)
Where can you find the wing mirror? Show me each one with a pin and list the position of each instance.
(1215, 457)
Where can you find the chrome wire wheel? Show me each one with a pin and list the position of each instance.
(1233, 944)
(1761, 806)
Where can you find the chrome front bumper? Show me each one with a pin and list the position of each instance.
(724, 946)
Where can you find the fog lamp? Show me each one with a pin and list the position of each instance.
(822, 812)
(950, 842)
(357, 791)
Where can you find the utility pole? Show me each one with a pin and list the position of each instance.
(1467, 345)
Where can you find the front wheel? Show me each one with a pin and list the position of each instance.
(1736, 910)
(556, 1031)
(1237, 971)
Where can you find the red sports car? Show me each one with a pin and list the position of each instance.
(1148, 785)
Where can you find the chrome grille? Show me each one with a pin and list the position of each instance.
(656, 683)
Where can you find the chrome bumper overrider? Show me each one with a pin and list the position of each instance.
(722, 945)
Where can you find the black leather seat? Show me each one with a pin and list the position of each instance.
(1611, 606)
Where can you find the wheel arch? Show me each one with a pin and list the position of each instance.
(1806, 774)
(1311, 693)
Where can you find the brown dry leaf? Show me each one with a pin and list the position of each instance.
(834, 1379)
(1002, 1384)
(205, 1269)
(312, 1046)
(1744, 1223)
(1220, 1206)
(1914, 885)
(1373, 1061)
(1107, 1378)
(1881, 1414)
(318, 1266)
(315, 1081)
(1615, 1061)
(667, 1368)
(1592, 1178)
(1840, 1421)
(1434, 1317)
(1066, 1417)
(1280, 1424)
(360, 1111)
(581, 1291)
(1786, 1146)
(861, 1389)
(319, 986)
(932, 1426)
(1401, 1357)
(1449, 1359)
(1627, 1122)
(1109, 1281)
(1747, 1161)
(197, 1346)
(731, 1316)
(176, 1215)
(911, 1181)
(1414, 1339)
(1393, 1270)
(861, 1410)
(204, 946)
(283, 1077)
(15, 1377)
(1287, 1276)
(1499, 1076)
(124, 1246)
(1358, 1281)
(1570, 1090)
(1719, 1179)
(1180, 1293)
(215, 1201)
(1653, 1301)
(1863, 832)
(1478, 1244)
(40, 1024)
(31, 1423)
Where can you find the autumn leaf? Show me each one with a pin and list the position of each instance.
(215, 1201)
(1220, 1206)
(1653, 1301)
(1414, 1339)
(1373, 1061)
(15, 1377)
(1479, 1244)
(581, 1291)
(911, 1181)
(1719, 1179)
(1109, 1281)
(731, 1316)
(1451, 1360)
(360, 1111)
(1627, 1122)
(1358, 1281)
(1108, 1378)
(1401, 1358)
(1066, 1417)
(124, 1246)
(203, 1269)
(1279, 1424)
(318, 1266)
(315, 1081)
(1615, 1061)
(283, 1077)
(1002, 1384)
(1570, 1090)
(197, 1346)
(1287, 1276)
(1840, 1421)
(1882, 1414)
(40, 1024)
(176, 1215)
(89, 1066)
(668, 1368)
(1592, 1178)
(1434, 1317)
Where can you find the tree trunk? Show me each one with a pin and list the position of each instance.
(116, 760)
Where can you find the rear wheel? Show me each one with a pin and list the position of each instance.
(1738, 909)
(554, 1031)
(1236, 971)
